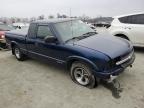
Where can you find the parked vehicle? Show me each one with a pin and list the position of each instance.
(88, 56)
(3, 29)
(91, 26)
(130, 27)
(20, 25)
(102, 24)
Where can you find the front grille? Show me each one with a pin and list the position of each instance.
(122, 59)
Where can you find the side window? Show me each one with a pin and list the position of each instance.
(123, 20)
(133, 19)
(142, 19)
(43, 31)
(32, 29)
(139, 19)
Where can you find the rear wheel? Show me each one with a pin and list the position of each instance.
(81, 74)
(18, 54)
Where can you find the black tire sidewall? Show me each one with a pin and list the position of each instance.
(20, 54)
(92, 79)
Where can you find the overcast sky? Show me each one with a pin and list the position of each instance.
(92, 8)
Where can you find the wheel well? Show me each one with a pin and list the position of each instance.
(70, 62)
(122, 36)
(12, 47)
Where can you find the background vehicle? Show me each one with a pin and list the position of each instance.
(3, 29)
(91, 26)
(71, 42)
(130, 27)
(102, 24)
(20, 25)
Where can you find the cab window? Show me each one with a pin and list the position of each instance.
(32, 30)
(43, 31)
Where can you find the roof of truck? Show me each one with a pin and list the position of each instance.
(57, 20)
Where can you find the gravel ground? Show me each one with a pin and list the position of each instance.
(34, 84)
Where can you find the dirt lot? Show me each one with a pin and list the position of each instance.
(34, 84)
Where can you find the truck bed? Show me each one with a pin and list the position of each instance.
(20, 32)
(18, 36)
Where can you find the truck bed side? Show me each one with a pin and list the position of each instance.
(17, 37)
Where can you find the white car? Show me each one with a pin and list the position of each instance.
(20, 25)
(130, 27)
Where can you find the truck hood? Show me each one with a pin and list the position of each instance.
(107, 44)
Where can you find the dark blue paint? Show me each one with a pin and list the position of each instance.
(98, 51)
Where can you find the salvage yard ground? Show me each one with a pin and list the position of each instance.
(34, 84)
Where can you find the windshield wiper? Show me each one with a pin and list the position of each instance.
(89, 33)
(72, 39)
(85, 35)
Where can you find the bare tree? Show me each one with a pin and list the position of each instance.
(32, 19)
(50, 16)
(64, 16)
(18, 20)
(13, 20)
(58, 15)
(41, 17)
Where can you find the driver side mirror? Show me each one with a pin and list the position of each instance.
(50, 39)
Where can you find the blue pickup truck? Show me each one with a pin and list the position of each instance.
(88, 55)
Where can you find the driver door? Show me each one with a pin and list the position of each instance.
(44, 49)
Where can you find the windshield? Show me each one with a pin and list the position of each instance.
(71, 29)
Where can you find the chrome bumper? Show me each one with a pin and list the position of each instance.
(111, 78)
(125, 59)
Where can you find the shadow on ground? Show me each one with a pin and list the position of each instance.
(64, 71)
(112, 87)
(139, 49)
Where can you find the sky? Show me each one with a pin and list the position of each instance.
(92, 8)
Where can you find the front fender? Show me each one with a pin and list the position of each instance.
(12, 44)
(72, 59)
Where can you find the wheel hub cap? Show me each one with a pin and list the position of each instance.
(17, 53)
(81, 76)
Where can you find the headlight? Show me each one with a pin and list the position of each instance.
(2, 36)
(110, 64)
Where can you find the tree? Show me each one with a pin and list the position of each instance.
(61, 15)
(64, 16)
(41, 17)
(32, 19)
(84, 17)
(13, 20)
(58, 15)
(25, 20)
(18, 20)
(50, 16)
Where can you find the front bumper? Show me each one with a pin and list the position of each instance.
(113, 73)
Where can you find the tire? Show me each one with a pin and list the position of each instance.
(81, 74)
(18, 54)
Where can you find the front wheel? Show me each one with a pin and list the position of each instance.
(81, 74)
(18, 54)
